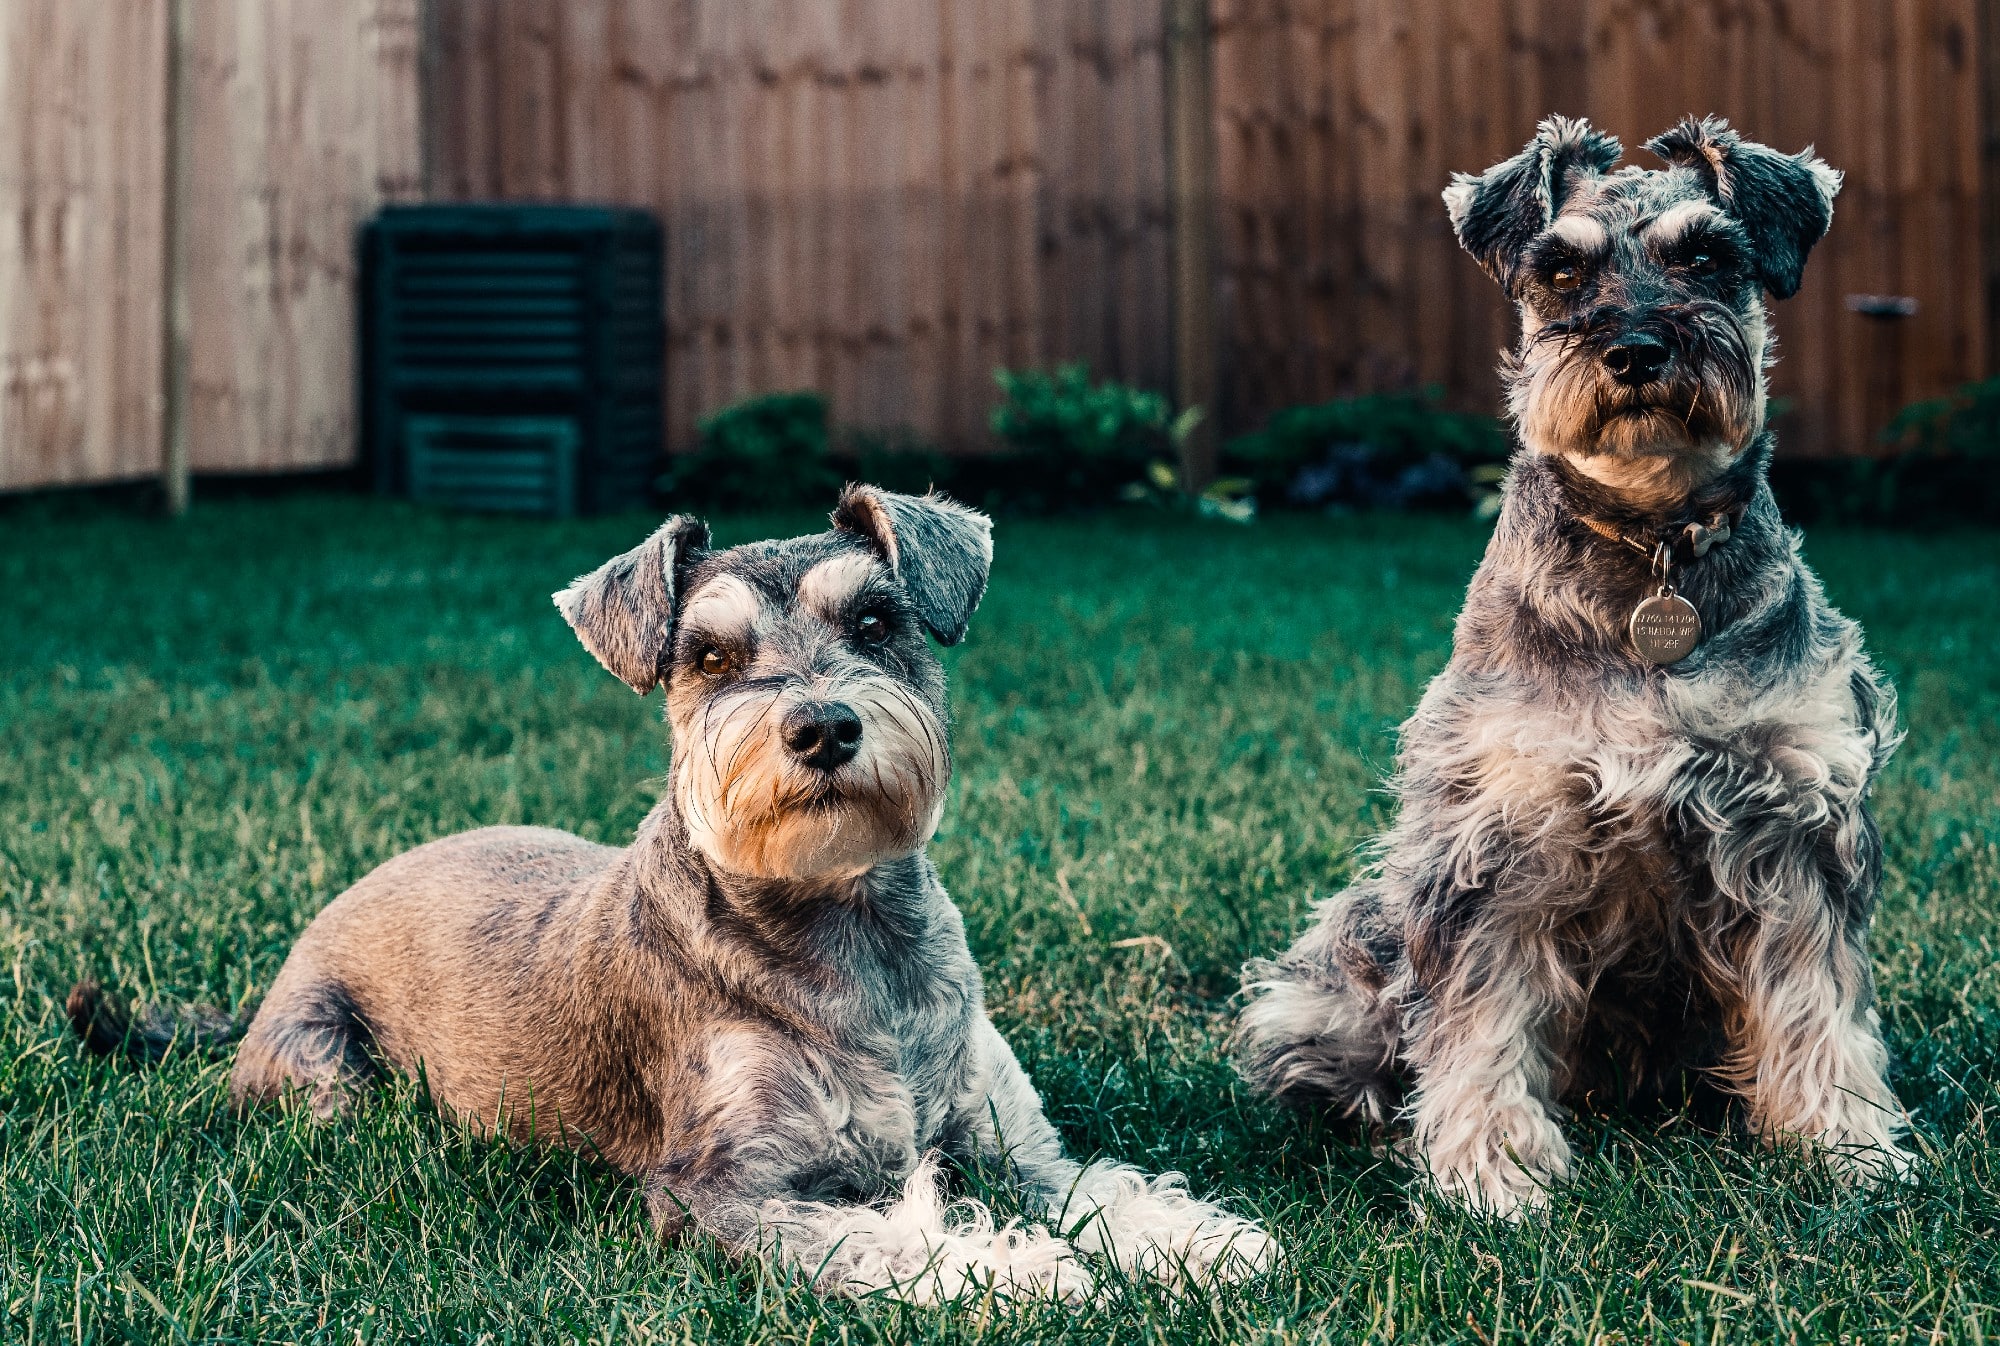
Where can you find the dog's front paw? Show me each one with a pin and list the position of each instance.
(920, 1250)
(1505, 1172)
(1870, 1163)
(1859, 1138)
(1208, 1246)
(1504, 1191)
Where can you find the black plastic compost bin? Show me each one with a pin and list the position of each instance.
(512, 356)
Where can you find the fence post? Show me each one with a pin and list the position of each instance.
(1987, 43)
(430, 54)
(1191, 192)
(176, 315)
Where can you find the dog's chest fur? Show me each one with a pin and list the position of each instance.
(1556, 788)
(845, 1056)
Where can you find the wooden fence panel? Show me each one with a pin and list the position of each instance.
(882, 200)
(305, 118)
(886, 199)
(82, 110)
(1338, 122)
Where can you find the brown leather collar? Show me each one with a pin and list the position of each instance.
(1689, 540)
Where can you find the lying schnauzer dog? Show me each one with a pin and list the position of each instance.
(1633, 839)
(765, 1006)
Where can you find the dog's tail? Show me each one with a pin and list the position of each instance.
(111, 1025)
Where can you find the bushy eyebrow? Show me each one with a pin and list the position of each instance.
(1579, 233)
(725, 607)
(832, 587)
(1689, 219)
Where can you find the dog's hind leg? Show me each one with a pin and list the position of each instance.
(1149, 1226)
(1316, 1026)
(306, 1047)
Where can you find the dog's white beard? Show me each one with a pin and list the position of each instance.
(750, 809)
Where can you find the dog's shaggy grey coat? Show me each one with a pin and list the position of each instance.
(765, 1006)
(1605, 874)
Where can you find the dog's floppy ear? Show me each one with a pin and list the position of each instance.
(1783, 201)
(938, 548)
(623, 611)
(1496, 213)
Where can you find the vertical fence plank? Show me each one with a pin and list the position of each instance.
(1190, 130)
(176, 311)
(303, 119)
(81, 161)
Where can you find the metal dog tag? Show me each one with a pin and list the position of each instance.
(1665, 628)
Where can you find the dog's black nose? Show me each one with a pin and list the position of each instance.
(824, 735)
(1637, 358)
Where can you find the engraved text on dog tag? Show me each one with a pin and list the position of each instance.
(1665, 628)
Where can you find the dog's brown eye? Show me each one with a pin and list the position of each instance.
(1703, 264)
(871, 628)
(1566, 278)
(714, 663)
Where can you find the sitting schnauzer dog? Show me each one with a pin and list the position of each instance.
(765, 1006)
(1633, 838)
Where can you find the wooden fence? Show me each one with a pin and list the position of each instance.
(81, 161)
(886, 199)
(304, 120)
(302, 117)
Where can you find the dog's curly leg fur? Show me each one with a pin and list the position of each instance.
(1482, 1116)
(1805, 1044)
(1810, 1055)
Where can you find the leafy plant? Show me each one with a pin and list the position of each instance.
(1390, 450)
(897, 460)
(1227, 498)
(1941, 468)
(762, 453)
(1074, 443)
(1965, 424)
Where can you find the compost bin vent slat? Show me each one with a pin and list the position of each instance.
(477, 317)
(523, 464)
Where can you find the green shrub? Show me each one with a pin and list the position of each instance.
(1073, 443)
(1387, 449)
(1965, 424)
(1943, 467)
(896, 460)
(764, 452)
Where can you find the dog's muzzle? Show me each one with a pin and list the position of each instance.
(823, 735)
(1636, 359)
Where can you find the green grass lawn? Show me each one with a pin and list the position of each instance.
(1169, 739)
